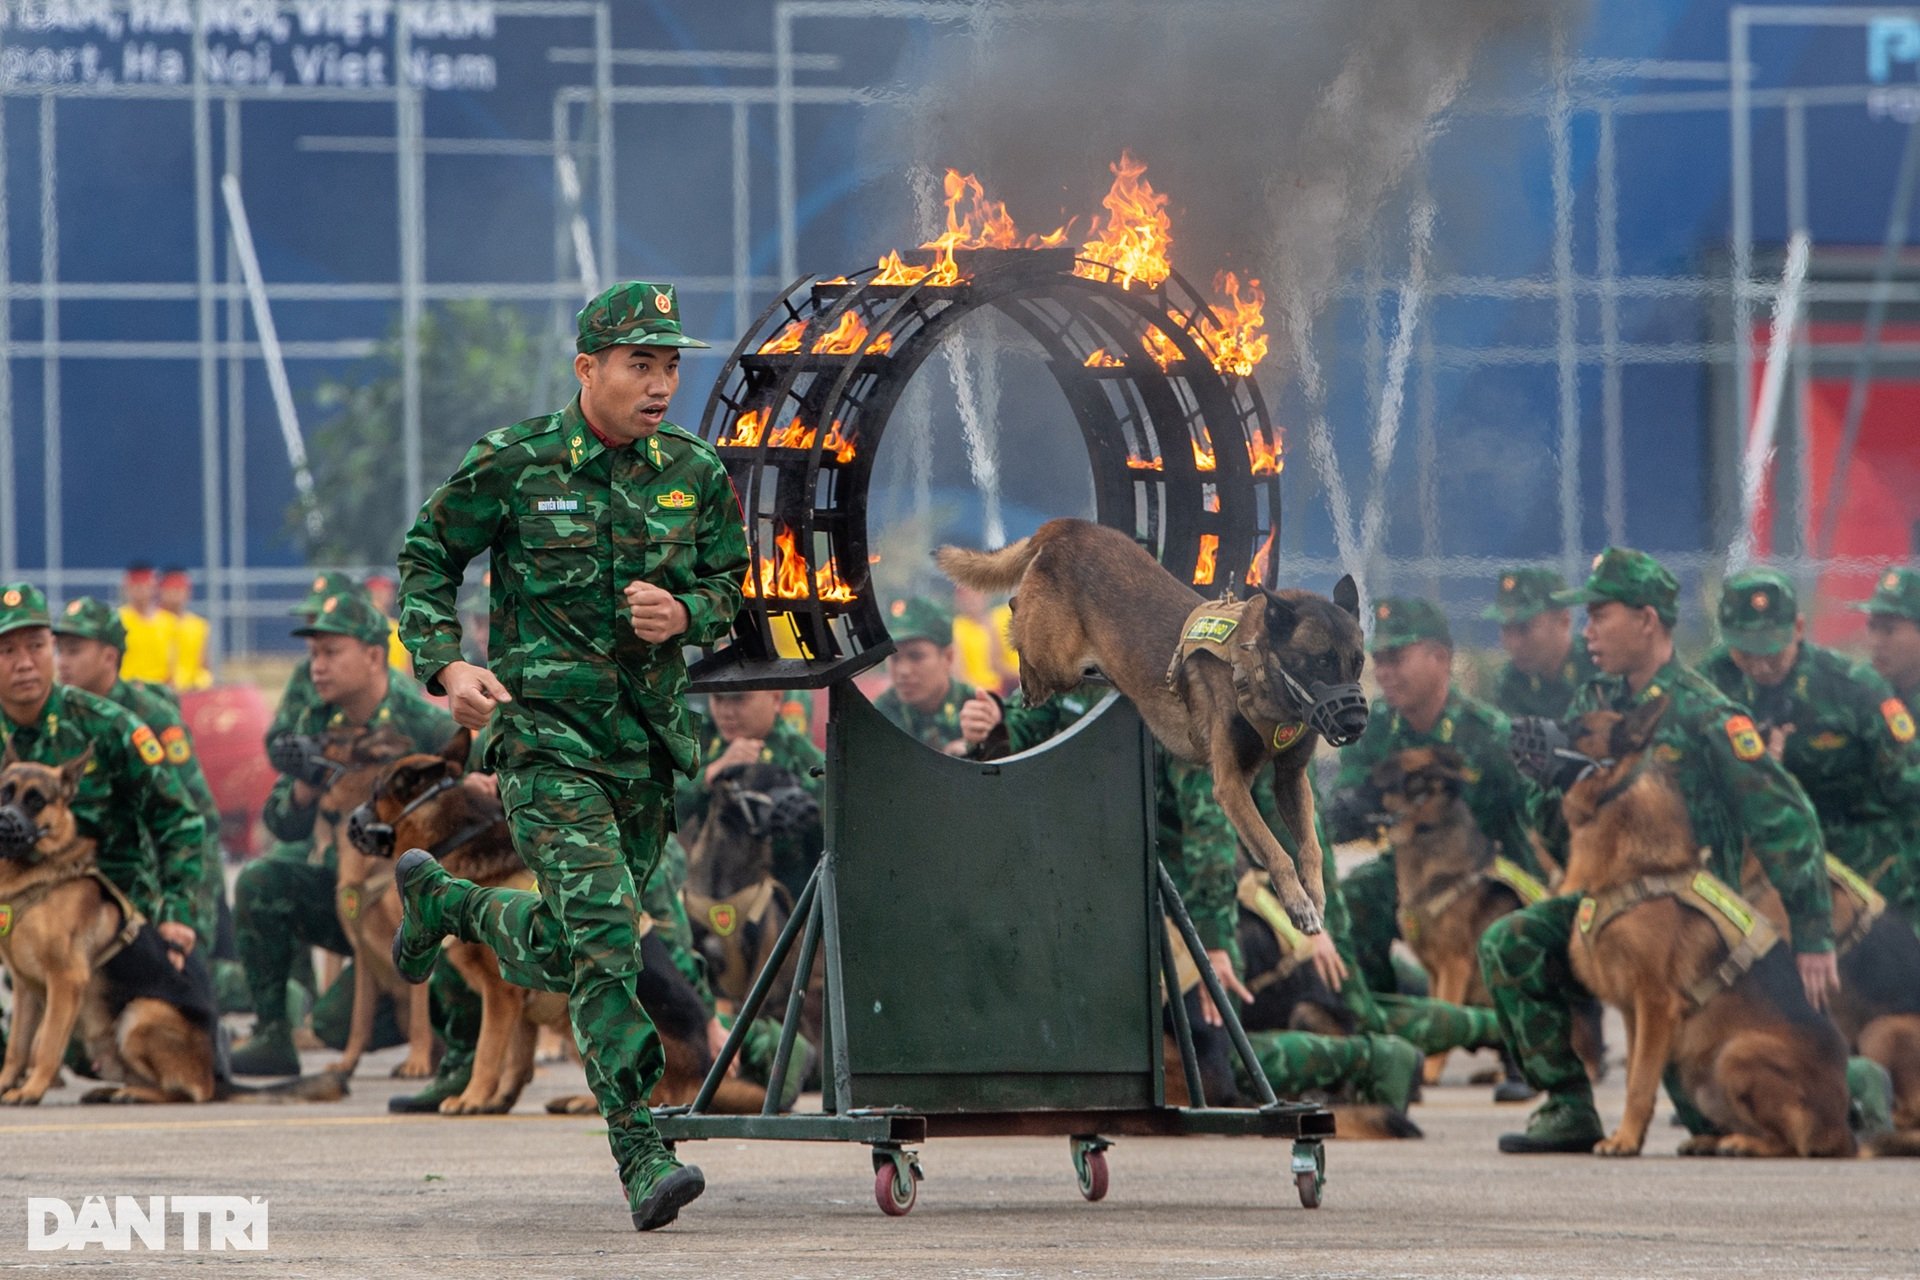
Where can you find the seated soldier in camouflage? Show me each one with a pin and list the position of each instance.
(1738, 798)
(280, 905)
(1420, 706)
(1893, 632)
(1836, 725)
(1546, 661)
(741, 729)
(925, 699)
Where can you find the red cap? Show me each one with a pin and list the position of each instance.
(178, 578)
(139, 575)
(384, 579)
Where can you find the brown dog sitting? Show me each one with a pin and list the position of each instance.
(419, 802)
(82, 958)
(1694, 969)
(1249, 682)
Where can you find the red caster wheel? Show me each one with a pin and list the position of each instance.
(895, 1189)
(1093, 1176)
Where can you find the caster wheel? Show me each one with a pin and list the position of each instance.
(894, 1189)
(1309, 1187)
(1093, 1176)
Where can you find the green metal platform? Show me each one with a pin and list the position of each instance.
(992, 950)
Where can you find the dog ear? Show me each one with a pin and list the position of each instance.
(1347, 595)
(458, 748)
(1448, 763)
(70, 772)
(1633, 731)
(1281, 615)
(10, 756)
(1386, 775)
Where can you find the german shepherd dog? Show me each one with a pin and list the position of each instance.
(368, 910)
(419, 802)
(1089, 596)
(1451, 884)
(1755, 1057)
(734, 901)
(82, 958)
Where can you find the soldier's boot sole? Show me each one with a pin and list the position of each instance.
(669, 1195)
(1521, 1144)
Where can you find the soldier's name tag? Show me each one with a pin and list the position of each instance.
(557, 506)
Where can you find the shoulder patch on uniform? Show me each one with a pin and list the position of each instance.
(148, 746)
(179, 746)
(1745, 738)
(1899, 719)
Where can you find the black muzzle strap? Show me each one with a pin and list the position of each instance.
(1328, 707)
(19, 834)
(375, 838)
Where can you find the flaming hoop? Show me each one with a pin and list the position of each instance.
(1154, 381)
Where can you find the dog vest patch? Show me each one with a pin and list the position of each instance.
(1211, 628)
(148, 746)
(6, 918)
(723, 918)
(1899, 719)
(1745, 738)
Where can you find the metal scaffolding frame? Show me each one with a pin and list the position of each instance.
(584, 136)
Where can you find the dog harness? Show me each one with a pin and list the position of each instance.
(1868, 905)
(728, 918)
(1746, 933)
(1295, 947)
(1417, 917)
(131, 921)
(1210, 628)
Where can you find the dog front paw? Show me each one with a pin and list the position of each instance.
(1703, 1144)
(1617, 1145)
(412, 1068)
(344, 1067)
(21, 1097)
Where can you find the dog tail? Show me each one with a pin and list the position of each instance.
(1373, 1123)
(987, 570)
(328, 1086)
(1900, 1144)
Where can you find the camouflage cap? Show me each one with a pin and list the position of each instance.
(1632, 578)
(920, 619)
(1896, 593)
(1399, 621)
(324, 585)
(348, 614)
(636, 313)
(1524, 594)
(21, 605)
(1757, 610)
(92, 619)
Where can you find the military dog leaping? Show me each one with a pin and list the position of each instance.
(1249, 682)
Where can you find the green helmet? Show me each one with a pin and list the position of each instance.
(21, 605)
(1632, 578)
(1896, 594)
(1757, 611)
(637, 313)
(92, 619)
(1524, 594)
(920, 619)
(1399, 621)
(350, 613)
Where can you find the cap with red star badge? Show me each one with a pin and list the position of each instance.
(1757, 611)
(323, 585)
(636, 313)
(1896, 594)
(92, 619)
(21, 606)
(351, 614)
(1401, 620)
(1629, 577)
(1524, 593)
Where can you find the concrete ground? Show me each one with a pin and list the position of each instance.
(356, 1193)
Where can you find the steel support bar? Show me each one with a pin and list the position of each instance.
(1170, 898)
(1182, 1026)
(680, 1126)
(796, 1004)
(803, 911)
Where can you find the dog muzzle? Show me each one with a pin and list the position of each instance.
(368, 834)
(1543, 751)
(18, 833)
(1337, 712)
(794, 812)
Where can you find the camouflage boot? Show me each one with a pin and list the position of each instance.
(430, 898)
(1392, 1072)
(1870, 1098)
(658, 1186)
(268, 1051)
(1565, 1123)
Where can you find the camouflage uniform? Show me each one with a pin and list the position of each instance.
(1739, 800)
(785, 748)
(283, 906)
(598, 726)
(1852, 742)
(1897, 595)
(922, 619)
(151, 837)
(1501, 799)
(1526, 594)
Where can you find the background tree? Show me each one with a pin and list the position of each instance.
(480, 369)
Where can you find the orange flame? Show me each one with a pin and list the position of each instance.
(1239, 344)
(1104, 359)
(1265, 457)
(1134, 244)
(1257, 571)
(985, 225)
(843, 339)
(1203, 455)
(786, 576)
(749, 427)
(1209, 555)
(787, 340)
